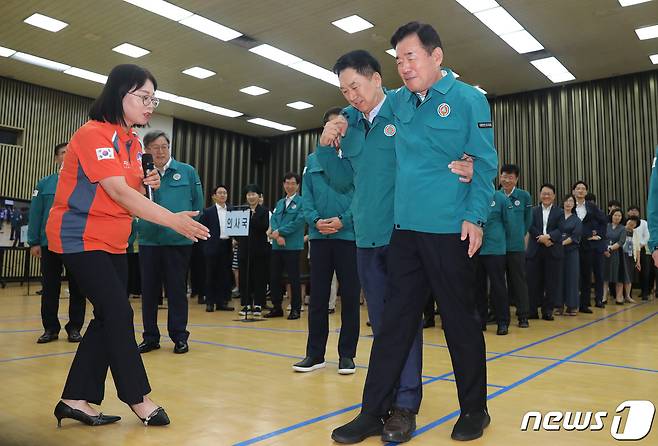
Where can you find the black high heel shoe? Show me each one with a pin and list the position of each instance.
(63, 410)
(157, 418)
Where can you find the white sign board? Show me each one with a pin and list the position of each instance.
(237, 223)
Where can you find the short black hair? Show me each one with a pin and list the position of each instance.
(153, 135)
(567, 196)
(579, 182)
(59, 147)
(291, 175)
(615, 203)
(510, 168)
(614, 211)
(635, 219)
(331, 111)
(252, 188)
(548, 185)
(633, 206)
(427, 35)
(214, 191)
(360, 60)
(108, 107)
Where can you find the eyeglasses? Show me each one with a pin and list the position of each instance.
(148, 100)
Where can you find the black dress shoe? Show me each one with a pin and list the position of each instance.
(181, 347)
(225, 307)
(157, 418)
(502, 330)
(146, 347)
(48, 336)
(523, 322)
(346, 366)
(74, 336)
(400, 426)
(429, 323)
(357, 430)
(210, 308)
(309, 364)
(274, 312)
(470, 426)
(294, 314)
(586, 310)
(63, 410)
(599, 305)
(548, 317)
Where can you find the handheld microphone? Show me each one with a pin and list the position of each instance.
(147, 166)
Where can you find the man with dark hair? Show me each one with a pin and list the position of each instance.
(545, 253)
(647, 273)
(164, 255)
(217, 252)
(437, 119)
(51, 262)
(287, 234)
(592, 245)
(519, 218)
(368, 163)
(330, 114)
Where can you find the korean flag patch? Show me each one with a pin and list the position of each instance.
(105, 153)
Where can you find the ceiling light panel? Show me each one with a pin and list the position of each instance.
(392, 52)
(254, 90)
(654, 59)
(499, 21)
(85, 74)
(131, 50)
(6, 52)
(522, 41)
(352, 24)
(275, 54)
(40, 61)
(316, 72)
(474, 6)
(299, 105)
(271, 124)
(647, 32)
(45, 22)
(163, 8)
(553, 69)
(207, 26)
(198, 72)
(632, 2)
(480, 89)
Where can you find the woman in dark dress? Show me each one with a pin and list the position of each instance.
(571, 228)
(612, 273)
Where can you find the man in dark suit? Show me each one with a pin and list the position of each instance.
(592, 245)
(217, 252)
(544, 254)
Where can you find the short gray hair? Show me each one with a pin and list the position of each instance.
(153, 135)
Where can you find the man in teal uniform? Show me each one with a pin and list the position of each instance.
(164, 255)
(332, 249)
(287, 234)
(492, 266)
(51, 263)
(438, 224)
(367, 161)
(519, 219)
(652, 211)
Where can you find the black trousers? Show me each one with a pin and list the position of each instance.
(253, 279)
(493, 268)
(544, 280)
(51, 270)
(109, 340)
(646, 272)
(281, 260)
(517, 284)
(219, 274)
(165, 265)
(134, 279)
(327, 256)
(420, 262)
(591, 261)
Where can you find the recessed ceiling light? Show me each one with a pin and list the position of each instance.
(200, 105)
(254, 90)
(316, 72)
(211, 28)
(499, 21)
(480, 89)
(522, 42)
(40, 61)
(553, 69)
(352, 24)
(199, 72)
(654, 59)
(45, 22)
(392, 52)
(299, 105)
(648, 32)
(130, 50)
(163, 8)
(474, 6)
(85, 74)
(632, 2)
(271, 124)
(275, 54)
(6, 52)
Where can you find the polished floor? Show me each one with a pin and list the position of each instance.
(236, 386)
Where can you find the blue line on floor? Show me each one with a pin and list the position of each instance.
(22, 358)
(534, 375)
(446, 375)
